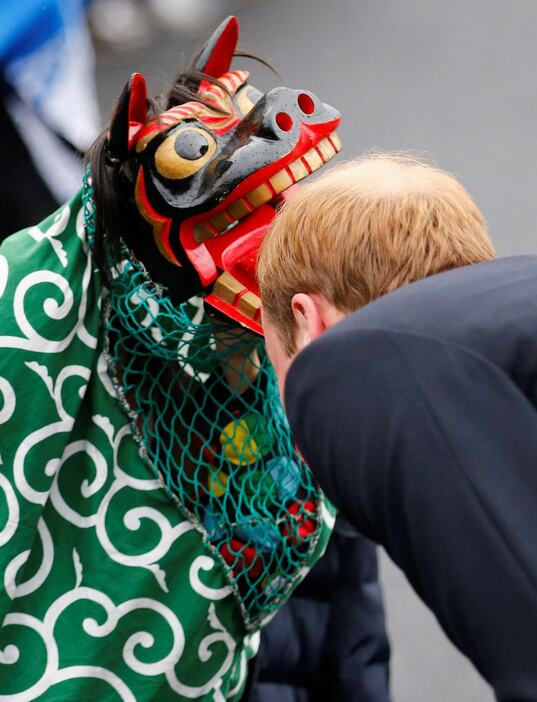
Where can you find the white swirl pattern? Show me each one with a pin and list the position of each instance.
(107, 584)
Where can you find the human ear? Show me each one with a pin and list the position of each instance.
(309, 318)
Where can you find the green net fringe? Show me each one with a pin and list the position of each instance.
(204, 404)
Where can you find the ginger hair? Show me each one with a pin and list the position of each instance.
(364, 228)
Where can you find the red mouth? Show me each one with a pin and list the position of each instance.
(316, 146)
(238, 206)
(223, 244)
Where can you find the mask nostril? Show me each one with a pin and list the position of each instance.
(306, 104)
(284, 121)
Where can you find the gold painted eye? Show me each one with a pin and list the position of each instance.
(246, 98)
(184, 152)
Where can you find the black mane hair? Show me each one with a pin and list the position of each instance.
(112, 180)
(112, 186)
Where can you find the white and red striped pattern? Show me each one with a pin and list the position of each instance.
(232, 81)
(219, 123)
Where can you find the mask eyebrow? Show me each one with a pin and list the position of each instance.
(167, 119)
(221, 96)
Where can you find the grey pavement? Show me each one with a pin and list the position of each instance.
(455, 80)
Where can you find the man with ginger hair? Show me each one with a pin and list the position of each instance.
(417, 411)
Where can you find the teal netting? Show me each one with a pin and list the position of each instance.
(204, 402)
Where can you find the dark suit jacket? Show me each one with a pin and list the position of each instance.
(418, 416)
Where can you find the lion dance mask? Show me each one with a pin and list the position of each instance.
(209, 175)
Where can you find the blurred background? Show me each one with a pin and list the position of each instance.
(454, 80)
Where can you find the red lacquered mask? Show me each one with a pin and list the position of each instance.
(208, 177)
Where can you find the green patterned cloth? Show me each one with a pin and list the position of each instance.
(113, 587)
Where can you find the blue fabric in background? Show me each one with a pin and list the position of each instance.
(49, 112)
(27, 24)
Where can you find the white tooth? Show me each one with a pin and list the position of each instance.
(220, 222)
(336, 141)
(227, 288)
(313, 159)
(326, 149)
(259, 195)
(298, 169)
(249, 303)
(281, 181)
(202, 232)
(238, 209)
